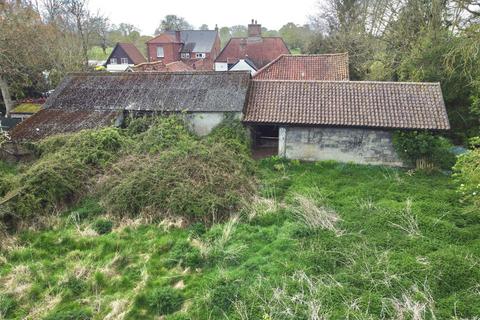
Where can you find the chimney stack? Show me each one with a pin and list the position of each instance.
(254, 29)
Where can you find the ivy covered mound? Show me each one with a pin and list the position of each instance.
(154, 167)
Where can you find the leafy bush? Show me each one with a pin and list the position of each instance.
(164, 300)
(162, 134)
(50, 182)
(102, 226)
(195, 179)
(415, 145)
(467, 175)
(91, 147)
(233, 134)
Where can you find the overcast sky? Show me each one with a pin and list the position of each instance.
(146, 14)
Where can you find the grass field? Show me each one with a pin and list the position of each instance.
(322, 240)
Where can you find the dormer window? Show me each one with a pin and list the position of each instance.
(124, 60)
(160, 53)
(185, 55)
(200, 55)
(113, 60)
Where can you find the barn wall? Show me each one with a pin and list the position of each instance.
(202, 123)
(364, 146)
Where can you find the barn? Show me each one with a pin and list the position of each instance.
(92, 100)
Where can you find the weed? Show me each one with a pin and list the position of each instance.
(163, 301)
(102, 226)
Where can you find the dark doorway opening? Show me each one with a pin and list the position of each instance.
(265, 143)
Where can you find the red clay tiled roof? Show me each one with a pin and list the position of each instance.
(133, 52)
(260, 50)
(165, 37)
(306, 67)
(347, 103)
(48, 122)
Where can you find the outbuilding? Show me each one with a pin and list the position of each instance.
(347, 121)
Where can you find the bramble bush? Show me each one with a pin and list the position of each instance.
(415, 145)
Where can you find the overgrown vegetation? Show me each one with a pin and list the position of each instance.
(413, 146)
(320, 240)
(154, 167)
(467, 174)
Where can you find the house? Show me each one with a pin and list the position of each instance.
(124, 55)
(331, 67)
(347, 121)
(160, 66)
(252, 52)
(93, 100)
(196, 48)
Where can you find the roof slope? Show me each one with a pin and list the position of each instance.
(306, 67)
(193, 40)
(132, 51)
(48, 122)
(259, 50)
(347, 103)
(152, 91)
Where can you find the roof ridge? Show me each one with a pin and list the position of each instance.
(317, 54)
(349, 81)
(117, 74)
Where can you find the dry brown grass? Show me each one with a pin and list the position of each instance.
(17, 282)
(408, 221)
(315, 216)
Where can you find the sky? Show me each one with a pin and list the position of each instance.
(146, 14)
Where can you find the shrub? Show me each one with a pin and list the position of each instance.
(205, 182)
(415, 145)
(50, 182)
(102, 226)
(91, 147)
(467, 175)
(233, 134)
(164, 300)
(164, 133)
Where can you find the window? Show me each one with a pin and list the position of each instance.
(160, 53)
(200, 55)
(124, 60)
(185, 55)
(113, 61)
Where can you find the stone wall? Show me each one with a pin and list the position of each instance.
(364, 146)
(202, 123)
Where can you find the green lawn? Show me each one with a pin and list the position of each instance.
(334, 240)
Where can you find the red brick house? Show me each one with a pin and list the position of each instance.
(252, 52)
(196, 48)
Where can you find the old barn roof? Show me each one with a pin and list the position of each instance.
(259, 50)
(347, 103)
(91, 100)
(153, 91)
(48, 122)
(193, 40)
(306, 67)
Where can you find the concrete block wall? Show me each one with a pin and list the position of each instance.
(363, 146)
(202, 123)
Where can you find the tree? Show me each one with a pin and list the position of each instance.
(296, 37)
(21, 49)
(204, 27)
(225, 35)
(172, 22)
(100, 30)
(238, 31)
